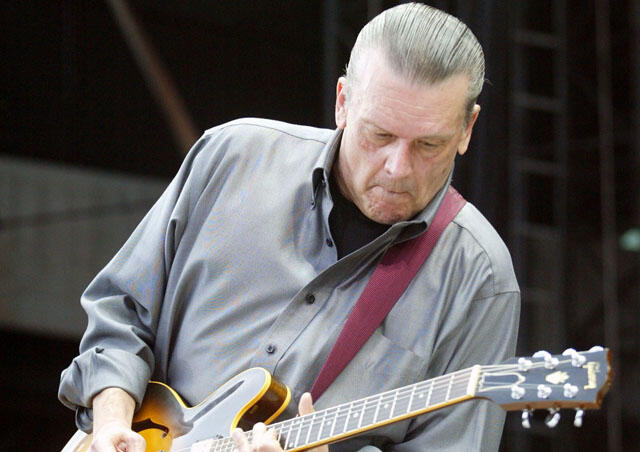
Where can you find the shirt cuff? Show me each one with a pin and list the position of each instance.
(98, 369)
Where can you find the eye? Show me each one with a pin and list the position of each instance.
(427, 144)
(380, 137)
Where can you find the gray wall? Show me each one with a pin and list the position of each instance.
(59, 225)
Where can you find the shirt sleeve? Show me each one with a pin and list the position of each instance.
(123, 302)
(487, 337)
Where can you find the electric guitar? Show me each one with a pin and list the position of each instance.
(577, 380)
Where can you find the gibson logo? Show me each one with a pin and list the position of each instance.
(557, 378)
(593, 367)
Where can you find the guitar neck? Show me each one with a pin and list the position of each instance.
(349, 419)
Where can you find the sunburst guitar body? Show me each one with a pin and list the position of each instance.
(167, 424)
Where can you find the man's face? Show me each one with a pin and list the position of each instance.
(400, 139)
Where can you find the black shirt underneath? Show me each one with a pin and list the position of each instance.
(350, 228)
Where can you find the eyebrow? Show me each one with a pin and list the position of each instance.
(441, 138)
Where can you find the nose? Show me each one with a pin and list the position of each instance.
(398, 161)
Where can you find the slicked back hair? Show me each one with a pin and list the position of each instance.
(425, 45)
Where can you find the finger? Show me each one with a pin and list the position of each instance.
(259, 430)
(305, 406)
(240, 439)
(134, 443)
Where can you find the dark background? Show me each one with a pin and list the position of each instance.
(72, 93)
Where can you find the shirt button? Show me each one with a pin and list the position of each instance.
(310, 298)
(271, 349)
(329, 243)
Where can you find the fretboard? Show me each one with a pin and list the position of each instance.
(349, 419)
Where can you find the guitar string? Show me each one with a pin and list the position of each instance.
(437, 384)
(340, 412)
(290, 424)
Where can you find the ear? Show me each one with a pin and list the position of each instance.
(341, 109)
(464, 142)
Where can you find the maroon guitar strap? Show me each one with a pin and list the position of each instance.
(389, 281)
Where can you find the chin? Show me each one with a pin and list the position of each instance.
(387, 217)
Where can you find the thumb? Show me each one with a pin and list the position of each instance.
(305, 406)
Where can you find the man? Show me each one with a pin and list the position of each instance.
(259, 248)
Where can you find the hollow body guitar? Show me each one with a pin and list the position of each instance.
(576, 380)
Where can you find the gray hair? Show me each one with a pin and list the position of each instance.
(424, 44)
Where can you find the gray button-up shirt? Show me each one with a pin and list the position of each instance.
(219, 275)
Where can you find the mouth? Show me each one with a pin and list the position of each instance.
(392, 191)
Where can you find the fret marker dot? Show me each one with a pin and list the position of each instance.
(386, 405)
(421, 395)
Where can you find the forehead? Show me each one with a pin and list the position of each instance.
(389, 100)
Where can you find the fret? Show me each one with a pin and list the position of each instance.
(364, 405)
(402, 401)
(384, 412)
(429, 394)
(324, 418)
(446, 397)
(355, 415)
(369, 411)
(311, 423)
(299, 428)
(375, 416)
(335, 419)
(393, 404)
(348, 415)
(287, 440)
(413, 392)
(278, 430)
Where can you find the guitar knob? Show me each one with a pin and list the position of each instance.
(524, 364)
(577, 421)
(570, 390)
(517, 392)
(544, 391)
(549, 361)
(526, 414)
(577, 359)
(596, 348)
(553, 418)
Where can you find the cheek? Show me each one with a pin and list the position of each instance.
(435, 171)
(365, 158)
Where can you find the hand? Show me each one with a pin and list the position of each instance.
(264, 440)
(116, 437)
(112, 413)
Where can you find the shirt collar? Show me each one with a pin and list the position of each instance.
(324, 162)
(409, 228)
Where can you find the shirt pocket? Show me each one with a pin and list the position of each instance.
(387, 365)
(381, 365)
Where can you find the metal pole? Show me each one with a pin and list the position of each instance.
(608, 212)
(329, 69)
(182, 126)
